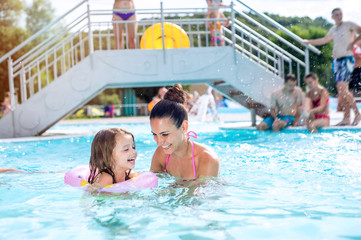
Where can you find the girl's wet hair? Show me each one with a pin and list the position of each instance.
(101, 160)
(172, 106)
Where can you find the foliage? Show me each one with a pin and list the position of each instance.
(39, 14)
(10, 10)
(11, 35)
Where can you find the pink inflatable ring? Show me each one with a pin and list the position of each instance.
(78, 177)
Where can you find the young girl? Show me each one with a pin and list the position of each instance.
(316, 104)
(176, 153)
(215, 28)
(112, 157)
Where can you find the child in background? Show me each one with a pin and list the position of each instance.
(112, 158)
(6, 104)
(215, 28)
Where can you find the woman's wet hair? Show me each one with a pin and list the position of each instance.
(101, 157)
(172, 106)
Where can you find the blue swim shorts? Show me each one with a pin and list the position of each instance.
(342, 68)
(288, 119)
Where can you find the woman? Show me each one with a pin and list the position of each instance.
(176, 153)
(119, 27)
(316, 104)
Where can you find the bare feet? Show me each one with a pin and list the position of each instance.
(344, 122)
(357, 120)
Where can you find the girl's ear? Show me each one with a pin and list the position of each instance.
(185, 126)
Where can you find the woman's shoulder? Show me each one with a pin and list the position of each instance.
(205, 153)
(324, 92)
(159, 155)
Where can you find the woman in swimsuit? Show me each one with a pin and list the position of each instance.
(316, 104)
(177, 154)
(119, 27)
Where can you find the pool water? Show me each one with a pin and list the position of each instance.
(287, 185)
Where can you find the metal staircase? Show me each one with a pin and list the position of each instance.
(75, 62)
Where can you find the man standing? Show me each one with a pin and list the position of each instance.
(285, 104)
(342, 33)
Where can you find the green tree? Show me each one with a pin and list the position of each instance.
(39, 14)
(10, 10)
(11, 35)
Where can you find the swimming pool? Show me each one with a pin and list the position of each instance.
(289, 185)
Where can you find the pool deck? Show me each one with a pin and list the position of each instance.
(233, 120)
(228, 121)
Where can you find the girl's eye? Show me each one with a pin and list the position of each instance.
(125, 150)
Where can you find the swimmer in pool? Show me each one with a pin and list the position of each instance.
(112, 158)
(177, 154)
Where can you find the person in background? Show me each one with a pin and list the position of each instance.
(6, 104)
(342, 33)
(156, 99)
(176, 153)
(316, 104)
(112, 158)
(355, 83)
(285, 105)
(213, 7)
(2, 170)
(118, 28)
(215, 29)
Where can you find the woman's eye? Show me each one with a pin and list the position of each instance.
(125, 150)
(165, 134)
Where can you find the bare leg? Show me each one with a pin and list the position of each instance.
(262, 126)
(131, 32)
(313, 125)
(118, 33)
(278, 125)
(344, 102)
(10, 170)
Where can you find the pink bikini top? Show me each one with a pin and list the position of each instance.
(357, 51)
(194, 165)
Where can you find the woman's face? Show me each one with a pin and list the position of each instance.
(311, 83)
(167, 135)
(124, 153)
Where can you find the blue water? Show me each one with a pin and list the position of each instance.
(288, 185)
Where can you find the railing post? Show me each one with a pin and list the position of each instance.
(11, 84)
(91, 45)
(162, 23)
(12, 92)
(233, 33)
(307, 60)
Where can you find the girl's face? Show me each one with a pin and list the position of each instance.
(167, 135)
(124, 153)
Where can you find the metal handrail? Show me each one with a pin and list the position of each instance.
(280, 27)
(21, 45)
(81, 29)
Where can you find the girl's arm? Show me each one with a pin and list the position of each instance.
(10, 170)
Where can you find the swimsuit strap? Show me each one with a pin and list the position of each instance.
(193, 135)
(194, 164)
(166, 162)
